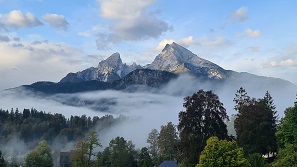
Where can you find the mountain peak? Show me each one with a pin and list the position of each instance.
(112, 61)
(172, 56)
(176, 58)
(173, 46)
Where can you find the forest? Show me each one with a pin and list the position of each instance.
(200, 139)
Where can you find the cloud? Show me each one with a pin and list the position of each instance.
(131, 23)
(206, 41)
(186, 42)
(56, 21)
(239, 15)
(282, 63)
(4, 38)
(37, 61)
(142, 106)
(16, 19)
(286, 58)
(253, 33)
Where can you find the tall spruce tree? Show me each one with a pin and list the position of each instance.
(255, 123)
(204, 117)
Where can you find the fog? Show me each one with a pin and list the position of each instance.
(145, 108)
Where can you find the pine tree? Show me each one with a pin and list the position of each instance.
(255, 123)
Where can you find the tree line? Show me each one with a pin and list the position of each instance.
(201, 138)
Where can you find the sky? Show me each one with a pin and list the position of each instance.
(43, 40)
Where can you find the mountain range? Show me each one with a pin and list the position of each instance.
(173, 61)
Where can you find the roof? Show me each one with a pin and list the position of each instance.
(168, 164)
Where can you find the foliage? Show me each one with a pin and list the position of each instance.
(122, 153)
(255, 123)
(287, 156)
(40, 156)
(145, 159)
(287, 139)
(2, 161)
(31, 125)
(204, 117)
(186, 163)
(222, 153)
(153, 149)
(167, 142)
(83, 153)
(103, 158)
(286, 133)
(256, 160)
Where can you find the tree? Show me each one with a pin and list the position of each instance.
(92, 143)
(122, 153)
(167, 142)
(145, 159)
(241, 98)
(152, 140)
(222, 153)
(287, 133)
(287, 156)
(40, 156)
(83, 153)
(255, 123)
(103, 159)
(287, 139)
(204, 117)
(79, 156)
(2, 161)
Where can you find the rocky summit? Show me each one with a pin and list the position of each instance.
(177, 59)
(108, 70)
(174, 58)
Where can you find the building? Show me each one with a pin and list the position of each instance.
(65, 160)
(168, 164)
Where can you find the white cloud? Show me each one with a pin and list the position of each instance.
(253, 33)
(286, 58)
(123, 9)
(132, 22)
(37, 61)
(17, 19)
(282, 63)
(186, 42)
(239, 15)
(57, 21)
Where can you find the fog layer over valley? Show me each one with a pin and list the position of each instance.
(147, 108)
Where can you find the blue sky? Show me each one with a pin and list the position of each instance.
(46, 39)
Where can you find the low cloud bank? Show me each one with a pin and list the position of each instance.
(146, 108)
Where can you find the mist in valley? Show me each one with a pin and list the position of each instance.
(145, 108)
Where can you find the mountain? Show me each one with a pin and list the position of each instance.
(108, 70)
(146, 77)
(67, 87)
(173, 61)
(177, 59)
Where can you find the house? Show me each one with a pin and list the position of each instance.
(65, 160)
(168, 164)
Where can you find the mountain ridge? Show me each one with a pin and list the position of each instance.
(174, 60)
